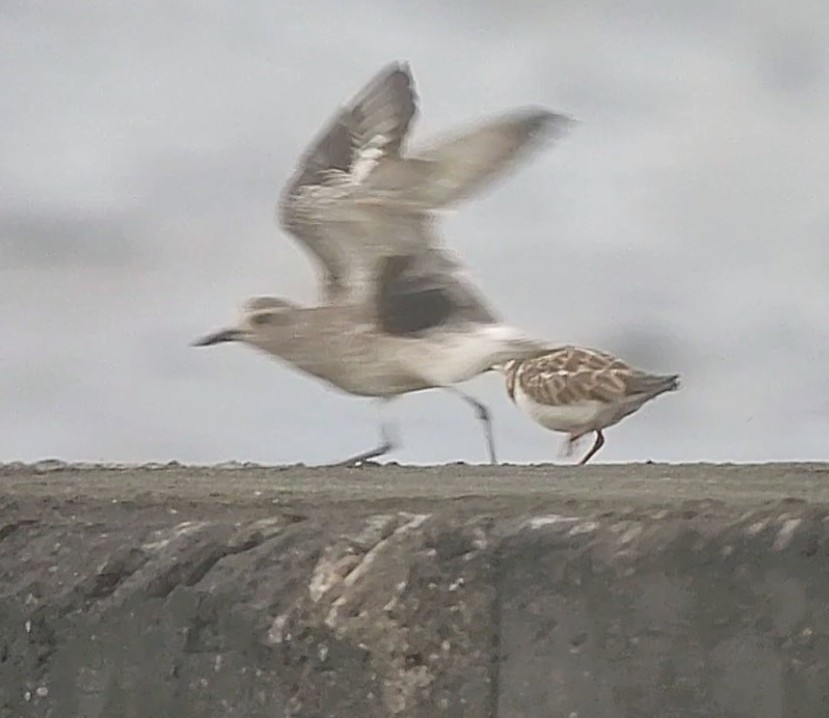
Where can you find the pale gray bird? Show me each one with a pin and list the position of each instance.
(420, 332)
(397, 314)
(578, 391)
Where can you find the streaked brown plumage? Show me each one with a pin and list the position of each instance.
(579, 390)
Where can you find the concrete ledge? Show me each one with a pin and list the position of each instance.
(443, 591)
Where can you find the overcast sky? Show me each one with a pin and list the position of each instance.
(683, 224)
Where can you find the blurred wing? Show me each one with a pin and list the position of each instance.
(464, 164)
(378, 116)
(367, 129)
(355, 201)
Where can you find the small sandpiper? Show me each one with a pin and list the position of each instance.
(578, 391)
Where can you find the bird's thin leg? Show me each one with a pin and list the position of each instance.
(388, 442)
(567, 447)
(386, 445)
(598, 444)
(483, 415)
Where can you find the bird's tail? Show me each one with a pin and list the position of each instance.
(653, 385)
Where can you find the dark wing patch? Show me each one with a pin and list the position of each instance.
(408, 304)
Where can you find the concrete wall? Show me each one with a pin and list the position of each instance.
(533, 606)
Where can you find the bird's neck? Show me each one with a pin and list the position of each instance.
(309, 345)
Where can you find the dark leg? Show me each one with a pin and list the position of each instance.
(598, 444)
(482, 413)
(385, 447)
(387, 444)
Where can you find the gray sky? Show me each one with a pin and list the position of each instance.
(683, 224)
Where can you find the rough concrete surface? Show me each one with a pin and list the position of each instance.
(493, 592)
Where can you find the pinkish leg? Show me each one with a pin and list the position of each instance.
(598, 444)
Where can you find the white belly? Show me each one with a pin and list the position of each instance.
(368, 375)
(575, 418)
(379, 381)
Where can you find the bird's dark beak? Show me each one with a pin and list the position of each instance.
(225, 335)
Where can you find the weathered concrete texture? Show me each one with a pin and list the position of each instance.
(449, 591)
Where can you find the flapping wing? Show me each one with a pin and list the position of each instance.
(378, 116)
(456, 167)
(355, 200)
(370, 127)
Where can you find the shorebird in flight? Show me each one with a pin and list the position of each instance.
(397, 314)
(578, 391)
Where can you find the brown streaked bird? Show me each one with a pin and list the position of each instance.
(397, 313)
(578, 391)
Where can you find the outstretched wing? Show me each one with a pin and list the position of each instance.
(377, 117)
(355, 200)
(371, 126)
(455, 167)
